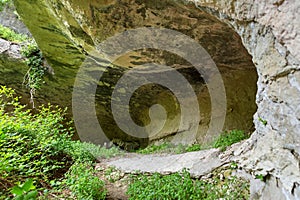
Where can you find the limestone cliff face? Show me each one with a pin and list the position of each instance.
(68, 30)
(270, 32)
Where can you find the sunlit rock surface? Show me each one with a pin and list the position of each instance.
(270, 32)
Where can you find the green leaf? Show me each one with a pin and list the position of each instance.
(20, 197)
(17, 190)
(31, 195)
(28, 185)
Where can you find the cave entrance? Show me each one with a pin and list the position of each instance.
(221, 42)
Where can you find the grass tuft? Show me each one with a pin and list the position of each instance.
(12, 36)
(228, 138)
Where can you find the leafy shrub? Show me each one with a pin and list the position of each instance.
(83, 151)
(25, 191)
(28, 143)
(182, 186)
(40, 147)
(82, 182)
(228, 138)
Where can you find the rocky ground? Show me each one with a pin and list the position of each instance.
(204, 165)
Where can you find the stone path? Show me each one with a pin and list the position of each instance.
(199, 163)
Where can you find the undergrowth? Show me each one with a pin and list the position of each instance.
(167, 147)
(180, 185)
(39, 148)
(82, 182)
(228, 138)
(225, 139)
(40, 161)
(10, 35)
(34, 60)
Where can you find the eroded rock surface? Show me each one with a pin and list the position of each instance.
(270, 32)
(67, 31)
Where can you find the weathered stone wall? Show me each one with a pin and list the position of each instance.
(270, 31)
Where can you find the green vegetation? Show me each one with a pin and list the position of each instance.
(34, 59)
(82, 182)
(194, 147)
(26, 191)
(40, 161)
(29, 144)
(3, 3)
(162, 148)
(263, 121)
(260, 177)
(228, 138)
(224, 140)
(40, 147)
(87, 151)
(167, 147)
(10, 35)
(182, 186)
